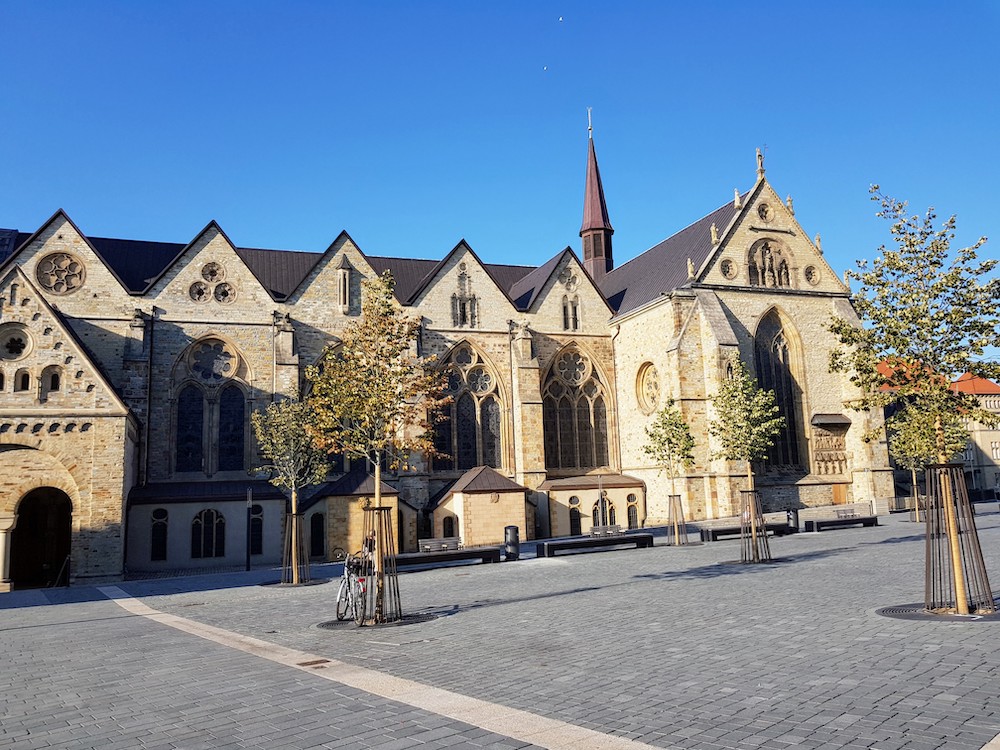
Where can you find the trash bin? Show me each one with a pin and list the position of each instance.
(511, 542)
(793, 520)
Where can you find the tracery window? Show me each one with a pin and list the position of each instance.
(158, 535)
(464, 303)
(232, 425)
(775, 372)
(469, 432)
(603, 513)
(190, 430)
(574, 414)
(767, 265)
(208, 534)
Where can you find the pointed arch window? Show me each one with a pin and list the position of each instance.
(208, 534)
(574, 414)
(190, 429)
(469, 431)
(232, 429)
(775, 372)
(158, 535)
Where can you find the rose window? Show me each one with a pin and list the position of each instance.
(213, 361)
(199, 292)
(60, 273)
(572, 368)
(213, 272)
(648, 390)
(225, 293)
(14, 343)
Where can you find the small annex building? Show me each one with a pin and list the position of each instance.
(578, 504)
(479, 506)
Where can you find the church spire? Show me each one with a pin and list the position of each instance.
(596, 230)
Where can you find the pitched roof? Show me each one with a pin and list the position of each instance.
(525, 290)
(279, 271)
(663, 268)
(595, 210)
(479, 479)
(136, 262)
(10, 240)
(169, 493)
(591, 482)
(976, 385)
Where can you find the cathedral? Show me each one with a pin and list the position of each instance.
(129, 371)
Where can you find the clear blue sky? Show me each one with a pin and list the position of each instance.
(413, 125)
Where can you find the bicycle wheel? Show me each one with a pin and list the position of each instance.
(344, 599)
(360, 601)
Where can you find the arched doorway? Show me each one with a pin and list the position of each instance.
(40, 541)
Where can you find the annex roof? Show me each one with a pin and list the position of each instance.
(592, 482)
(168, 493)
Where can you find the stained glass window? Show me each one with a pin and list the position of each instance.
(574, 417)
(190, 430)
(231, 429)
(208, 534)
(471, 431)
(466, 423)
(774, 372)
(490, 421)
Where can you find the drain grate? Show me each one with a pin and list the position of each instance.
(917, 612)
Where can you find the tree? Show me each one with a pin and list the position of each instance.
(926, 316)
(747, 419)
(671, 446)
(295, 459)
(372, 398)
(913, 441)
(670, 443)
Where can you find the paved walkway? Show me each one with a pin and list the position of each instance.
(674, 648)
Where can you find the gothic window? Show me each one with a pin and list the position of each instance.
(468, 432)
(232, 420)
(574, 414)
(633, 512)
(256, 530)
(768, 265)
(208, 534)
(317, 535)
(158, 535)
(575, 523)
(464, 303)
(571, 313)
(190, 430)
(603, 513)
(775, 372)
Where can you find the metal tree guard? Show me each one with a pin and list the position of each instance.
(381, 604)
(753, 533)
(286, 559)
(675, 517)
(954, 569)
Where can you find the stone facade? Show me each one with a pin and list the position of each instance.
(161, 352)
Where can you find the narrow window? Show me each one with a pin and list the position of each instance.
(1, 381)
(256, 530)
(54, 381)
(232, 429)
(190, 430)
(566, 320)
(575, 524)
(448, 526)
(208, 534)
(633, 516)
(22, 381)
(317, 535)
(490, 420)
(574, 311)
(466, 412)
(158, 535)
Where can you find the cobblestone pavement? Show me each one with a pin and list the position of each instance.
(665, 647)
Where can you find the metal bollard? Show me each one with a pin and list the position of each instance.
(511, 542)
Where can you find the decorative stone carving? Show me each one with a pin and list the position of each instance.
(200, 292)
(60, 273)
(225, 293)
(648, 388)
(213, 361)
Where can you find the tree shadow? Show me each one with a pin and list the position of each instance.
(736, 567)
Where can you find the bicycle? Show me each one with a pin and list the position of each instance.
(353, 592)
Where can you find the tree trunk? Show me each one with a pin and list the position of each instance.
(753, 515)
(294, 531)
(951, 524)
(916, 495)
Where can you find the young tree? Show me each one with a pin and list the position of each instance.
(671, 446)
(294, 459)
(372, 398)
(747, 419)
(913, 441)
(929, 313)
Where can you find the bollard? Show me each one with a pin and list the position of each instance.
(511, 542)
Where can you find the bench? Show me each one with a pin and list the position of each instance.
(712, 533)
(841, 519)
(550, 547)
(483, 554)
(440, 545)
(615, 530)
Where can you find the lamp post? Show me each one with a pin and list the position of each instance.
(249, 511)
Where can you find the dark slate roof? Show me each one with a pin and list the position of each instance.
(136, 262)
(167, 493)
(279, 271)
(358, 482)
(411, 274)
(591, 482)
(663, 268)
(485, 479)
(10, 240)
(595, 210)
(526, 289)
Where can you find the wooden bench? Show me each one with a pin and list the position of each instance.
(445, 544)
(841, 518)
(483, 554)
(712, 533)
(549, 547)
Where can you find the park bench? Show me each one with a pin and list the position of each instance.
(549, 547)
(615, 530)
(444, 544)
(840, 519)
(712, 533)
(483, 554)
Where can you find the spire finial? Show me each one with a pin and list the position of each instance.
(590, 125)
(760, 163)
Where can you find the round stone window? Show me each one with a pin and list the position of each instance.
(648, 388)
(213, 272)
(225, 293)
(60, 273)
(213, 360)
(200, 292)
(15, 343)
(765, 212)
(728, 268)
(812, 275)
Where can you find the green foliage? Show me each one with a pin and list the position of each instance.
(747, 419)
(295, 460)
(926, 315)
(371, 395)
(669, 442)
(913, 440)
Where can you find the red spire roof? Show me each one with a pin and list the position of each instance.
(595, 210)
(974, 384)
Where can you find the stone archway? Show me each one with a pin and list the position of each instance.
(41, 538)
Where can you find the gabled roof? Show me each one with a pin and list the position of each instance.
(136, 262)
(975, 385)
(10, 240)
(525, 290)
(280, 272)
(663, 268)
(478, 480)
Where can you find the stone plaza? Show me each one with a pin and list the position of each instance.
(664, 647)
